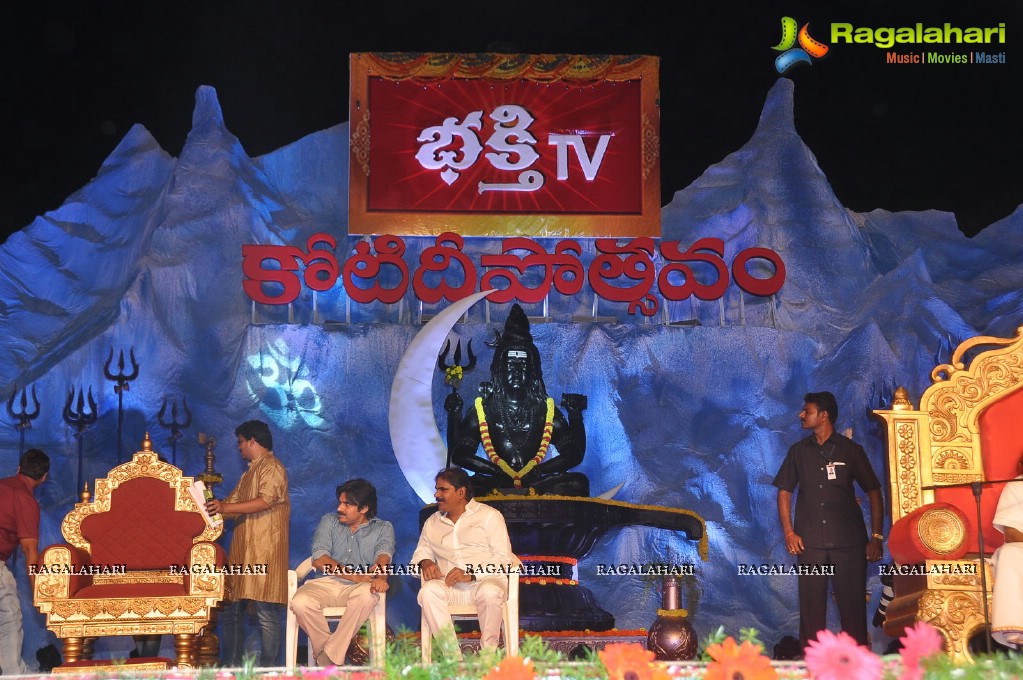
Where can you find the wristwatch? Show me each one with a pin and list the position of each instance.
(879, 537)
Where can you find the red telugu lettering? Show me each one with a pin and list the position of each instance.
(438, 258)
(750, 283)
(364, 266)
(671, 252)
(638, 266)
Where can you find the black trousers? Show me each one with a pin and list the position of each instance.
(849, 584)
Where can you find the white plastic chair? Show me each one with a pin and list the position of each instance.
(377, 622)
(462, 612)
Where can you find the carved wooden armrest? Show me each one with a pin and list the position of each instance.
(206, 576)
(62, 571)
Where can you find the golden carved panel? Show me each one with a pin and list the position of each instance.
(940, 444)
(360, 142)
(142, 605)
(64, 609)
(118, 667)
(204, 555)
(957, 614)
(907, 467)
(207, 584)
(140, 576)
(651, 145)
(951, 459)
(941, 530)
(116, 608)
(106, 629)
(89, 608)
(119, 608)
(959, 394)
(54, 582)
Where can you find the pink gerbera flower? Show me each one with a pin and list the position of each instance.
(838, 657)
(919, 642)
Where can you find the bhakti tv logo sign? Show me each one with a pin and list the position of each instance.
(796, 46)
(911, 44)
(504, 145)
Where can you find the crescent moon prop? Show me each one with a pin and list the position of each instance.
(610, 493)
(415, 438)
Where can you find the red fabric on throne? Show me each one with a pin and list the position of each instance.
(125, 535)
(1001, 441)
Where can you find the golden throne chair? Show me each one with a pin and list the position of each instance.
(965, 430)
(140, 559)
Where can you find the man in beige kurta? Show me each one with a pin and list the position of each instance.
(258, 557)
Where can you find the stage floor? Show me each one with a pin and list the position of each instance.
(787, 670)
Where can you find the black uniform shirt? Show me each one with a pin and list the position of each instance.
(827, 515)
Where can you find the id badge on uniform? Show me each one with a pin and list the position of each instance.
(831, 471)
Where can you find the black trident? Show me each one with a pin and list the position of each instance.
(24, 416)
(453, 375)
(81, 419)
(173, 425)
(122, 379)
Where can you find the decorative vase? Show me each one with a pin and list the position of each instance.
(671, 636)
(358, 650)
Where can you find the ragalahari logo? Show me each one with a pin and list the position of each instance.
(808, 49)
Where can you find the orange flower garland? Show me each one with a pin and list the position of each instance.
(543, 580)
(550, 558)
(678, 613)
(614, 632)
(488, 445)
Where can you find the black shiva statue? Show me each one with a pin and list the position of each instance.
(516, 423)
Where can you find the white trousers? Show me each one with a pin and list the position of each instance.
(488, 594)
(1007, 595)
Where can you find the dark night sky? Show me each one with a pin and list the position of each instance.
(77, 75)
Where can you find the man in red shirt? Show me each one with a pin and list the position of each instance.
(19, 525)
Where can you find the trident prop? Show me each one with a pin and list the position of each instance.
(173, 425)
(24, 416)
(81, 419)
(453, 376)
(121, 387)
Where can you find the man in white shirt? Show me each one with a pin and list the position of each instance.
(464, 555)
(1006, 613)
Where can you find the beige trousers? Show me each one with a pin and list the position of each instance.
(309, 603)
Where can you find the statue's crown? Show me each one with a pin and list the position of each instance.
(516, 329)
(515, 338)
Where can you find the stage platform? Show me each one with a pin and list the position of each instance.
(574, 645)
(787, 670)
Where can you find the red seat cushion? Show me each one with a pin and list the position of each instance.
(115, 590)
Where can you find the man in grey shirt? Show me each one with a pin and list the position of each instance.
(353, 548)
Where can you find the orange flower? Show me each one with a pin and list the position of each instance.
(733, 661)
(512, 668)
(631, 662)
